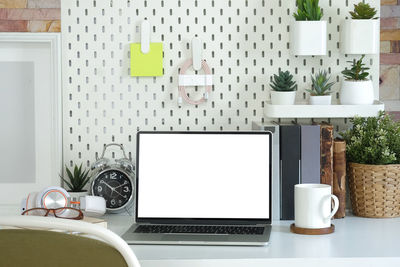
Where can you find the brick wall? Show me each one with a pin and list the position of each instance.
(30, 16)
(390, 51)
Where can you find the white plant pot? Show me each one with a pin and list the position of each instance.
(360, 36)
(357, 92)
(308, 38)
(283, 98)
(320, 99)
(75, 196)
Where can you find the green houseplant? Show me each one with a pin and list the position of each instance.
(77, 180)
(308, 31)
(356, 88)
(320, 92)
(360, 34)
(283, 88)
(373, 155)
(363, 11)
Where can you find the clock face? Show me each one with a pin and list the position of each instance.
(115, 187)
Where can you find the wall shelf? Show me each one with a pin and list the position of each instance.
(322, 111)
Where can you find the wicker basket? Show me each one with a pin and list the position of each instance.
(375, 190)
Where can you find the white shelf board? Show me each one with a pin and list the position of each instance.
(322, 111)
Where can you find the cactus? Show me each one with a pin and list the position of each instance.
(363, 11)
(357, 71)
(308, 10)
(320, 84)
(283, 82)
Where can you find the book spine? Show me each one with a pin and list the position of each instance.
(310, 154)
(327, 154)
(289, 168)
(339, 176)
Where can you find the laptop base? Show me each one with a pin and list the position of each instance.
(197, 239)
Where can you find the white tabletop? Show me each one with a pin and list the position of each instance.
(355, 240)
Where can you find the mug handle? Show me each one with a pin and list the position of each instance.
(335, 207)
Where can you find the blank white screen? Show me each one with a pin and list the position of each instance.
(203, 176)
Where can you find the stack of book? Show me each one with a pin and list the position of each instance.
(301, 154)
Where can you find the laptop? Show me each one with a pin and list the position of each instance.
(202, 188)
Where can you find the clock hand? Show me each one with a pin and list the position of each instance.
(119, 186)
(109, 186)
(119, 193)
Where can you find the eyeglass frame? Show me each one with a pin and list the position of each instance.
(54, 211)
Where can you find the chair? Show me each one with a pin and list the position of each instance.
(19, 247)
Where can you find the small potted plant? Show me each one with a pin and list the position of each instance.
(320, 92)
(356, 88)
(77, 180)
(284, 89)
(360, 34)
(308, 34)
(373, 161)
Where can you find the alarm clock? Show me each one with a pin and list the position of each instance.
(114, 182)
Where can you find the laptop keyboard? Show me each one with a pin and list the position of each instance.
(200, 229)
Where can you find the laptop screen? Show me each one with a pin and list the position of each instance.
(203, 175)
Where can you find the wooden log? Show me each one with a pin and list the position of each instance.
(339, 176)
(327, 154)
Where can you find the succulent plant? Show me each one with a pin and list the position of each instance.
(363, 11)
(78, 179)
(308, 10)
(283, 82)
(357, 71)
(320, 84)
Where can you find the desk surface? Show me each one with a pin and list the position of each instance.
(356, 242)
(354, 237)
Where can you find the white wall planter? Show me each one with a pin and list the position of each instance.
(283, 98)
(320, 99)
(360, 36)
(308, 38)
(356, 92)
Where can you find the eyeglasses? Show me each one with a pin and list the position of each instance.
(64, 213)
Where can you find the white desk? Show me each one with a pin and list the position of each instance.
(356, 242)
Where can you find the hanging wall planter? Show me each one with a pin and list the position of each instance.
(360, 35)
(308, 38)
(308, 33)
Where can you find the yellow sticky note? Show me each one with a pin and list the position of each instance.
(150, 64)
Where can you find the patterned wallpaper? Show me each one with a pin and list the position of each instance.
(44, 16)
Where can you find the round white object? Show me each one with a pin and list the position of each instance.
(320, 99)
(357, 92)
(283, 98)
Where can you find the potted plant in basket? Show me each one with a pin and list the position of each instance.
(356, 88)
(284, 89)
(373, 156)
(308, 31)
(320, 92)
(77, 180)
(360, 34)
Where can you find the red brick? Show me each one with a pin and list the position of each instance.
(395, 114)
(394, 46)
(30, 14)
(389, 23)
(390, 59)
(13, 26)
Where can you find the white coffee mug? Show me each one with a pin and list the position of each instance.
(312, 207)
